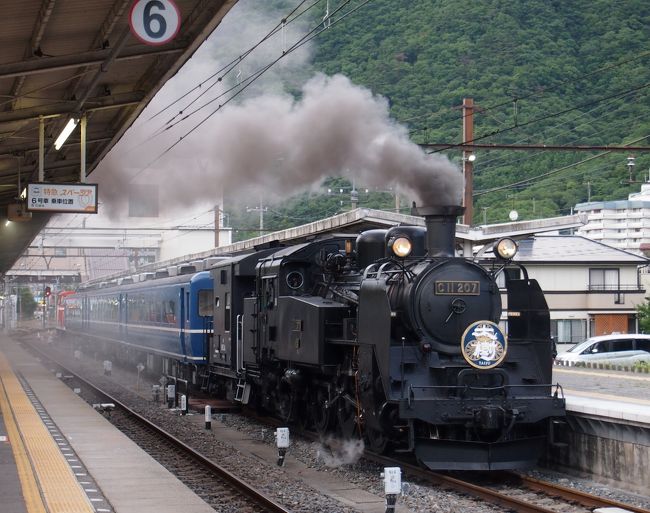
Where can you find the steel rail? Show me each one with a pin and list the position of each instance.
(571, 494)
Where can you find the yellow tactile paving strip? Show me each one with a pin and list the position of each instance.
(31, 493)
(50, 479)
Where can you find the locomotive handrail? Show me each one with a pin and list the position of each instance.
(504, 388)
(380, 271)
(537, 385)
(370, 270)
(367, 271)
(239, 328)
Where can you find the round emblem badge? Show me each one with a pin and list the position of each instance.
(484, 345)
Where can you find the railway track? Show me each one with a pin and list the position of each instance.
(214, 484)
(573, 495)
(534, 499)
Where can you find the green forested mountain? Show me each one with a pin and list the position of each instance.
(552, 72)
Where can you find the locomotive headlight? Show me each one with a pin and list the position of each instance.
(402, 247)
(505, 249)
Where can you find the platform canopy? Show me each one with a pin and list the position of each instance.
(62, 59)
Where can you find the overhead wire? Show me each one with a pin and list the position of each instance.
(240, 88)
(552, 172)
(519, 161)
(220, 74)
(227, 68)
(486, 164)
(542, 118)
(244, 84)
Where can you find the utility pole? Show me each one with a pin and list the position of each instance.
(217, 225)
(261, 209)
(588, 184)
(468, 137)
(354, 196)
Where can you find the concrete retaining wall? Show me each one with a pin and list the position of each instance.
(609, 452)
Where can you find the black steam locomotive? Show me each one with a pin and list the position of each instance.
(389, 336)
(386, 335)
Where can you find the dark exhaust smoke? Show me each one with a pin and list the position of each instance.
(275, 146)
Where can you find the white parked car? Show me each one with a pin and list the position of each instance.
(621, 349)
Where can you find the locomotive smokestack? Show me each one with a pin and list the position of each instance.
(441, 228)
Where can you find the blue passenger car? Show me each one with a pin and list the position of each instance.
(165, 323)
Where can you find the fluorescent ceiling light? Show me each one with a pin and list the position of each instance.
(65, 133)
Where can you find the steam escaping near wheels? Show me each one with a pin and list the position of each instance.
(336, 452)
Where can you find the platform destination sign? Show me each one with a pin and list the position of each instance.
(62, 197)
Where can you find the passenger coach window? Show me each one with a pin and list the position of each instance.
(205, 303)
(169, 308)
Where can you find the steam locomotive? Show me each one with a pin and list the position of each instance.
(386, 335)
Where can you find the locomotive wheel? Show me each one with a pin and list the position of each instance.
(377, 440)
(321, 415)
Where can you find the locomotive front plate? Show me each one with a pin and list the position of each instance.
(457, 288)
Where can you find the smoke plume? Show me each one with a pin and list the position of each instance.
(271, 144)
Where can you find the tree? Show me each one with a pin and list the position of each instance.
(643, 311)
(27, 303)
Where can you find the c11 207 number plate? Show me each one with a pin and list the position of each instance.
(457, 288)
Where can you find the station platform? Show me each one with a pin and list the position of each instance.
(620, 396)
(58, 455)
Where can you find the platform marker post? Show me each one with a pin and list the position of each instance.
(208, 417)
(171, 395)
(392, 477)
(282, 441)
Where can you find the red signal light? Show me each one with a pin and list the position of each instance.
(48, 291)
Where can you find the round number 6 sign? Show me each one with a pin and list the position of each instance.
(155, 22)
